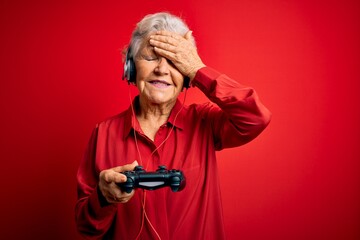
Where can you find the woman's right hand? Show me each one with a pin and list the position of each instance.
(108, 180)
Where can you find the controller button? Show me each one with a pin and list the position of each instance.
(176, 179)
(138, 168)
(161, 169)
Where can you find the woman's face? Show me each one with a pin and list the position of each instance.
(157, 79)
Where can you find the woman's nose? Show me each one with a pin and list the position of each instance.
(163, 66)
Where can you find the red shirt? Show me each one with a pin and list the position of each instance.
(234, 117)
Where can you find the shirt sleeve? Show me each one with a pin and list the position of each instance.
(93, 215)
(238, 116)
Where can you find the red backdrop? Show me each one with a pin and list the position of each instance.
(60, 72)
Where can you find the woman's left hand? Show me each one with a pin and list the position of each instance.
(179, 50)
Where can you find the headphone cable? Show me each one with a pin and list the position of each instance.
(144, 214)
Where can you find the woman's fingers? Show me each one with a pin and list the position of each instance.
(108, 180)
(178, 49)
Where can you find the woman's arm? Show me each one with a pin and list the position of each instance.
(238, 116)
(93, 216)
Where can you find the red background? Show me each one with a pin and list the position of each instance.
(60, 72)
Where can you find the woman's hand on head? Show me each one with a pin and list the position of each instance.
(108, 180)
(180, 50)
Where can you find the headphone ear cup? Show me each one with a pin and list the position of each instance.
(132, 71)
(129, 71)
(186, 82)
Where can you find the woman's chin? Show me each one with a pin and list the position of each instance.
(160, 99)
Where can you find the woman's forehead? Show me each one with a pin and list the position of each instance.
(145, 46)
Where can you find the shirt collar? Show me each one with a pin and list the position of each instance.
(175, 119)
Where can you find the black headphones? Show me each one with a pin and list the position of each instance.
(129, 68)
(130, 71)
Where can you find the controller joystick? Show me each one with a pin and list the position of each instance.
(139, 178)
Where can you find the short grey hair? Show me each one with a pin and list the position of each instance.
(152, 23)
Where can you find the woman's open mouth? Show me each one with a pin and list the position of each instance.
(159, 83)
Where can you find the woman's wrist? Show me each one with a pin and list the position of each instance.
(192, 74)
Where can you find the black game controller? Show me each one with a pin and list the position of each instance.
(139, 178)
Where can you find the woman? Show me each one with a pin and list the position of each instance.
(158, 130)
